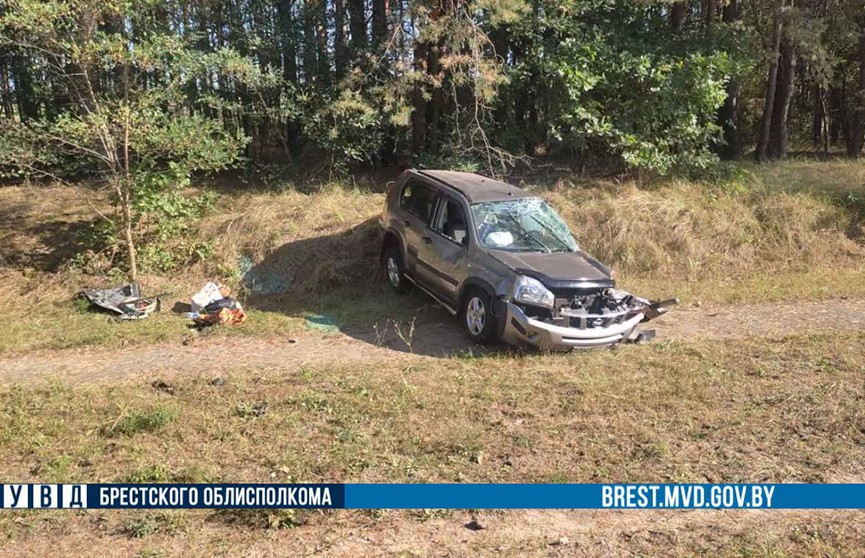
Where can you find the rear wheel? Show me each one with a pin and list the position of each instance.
(477, 316)
(394, 271)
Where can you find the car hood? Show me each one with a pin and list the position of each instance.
(558, 269)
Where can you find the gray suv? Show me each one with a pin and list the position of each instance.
(505, 262)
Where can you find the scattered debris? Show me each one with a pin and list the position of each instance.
(181, 307)
(163, 386)
(562, 541)
(210, 292)
(641, 337)
(212, 306)
(260, 281)
(217, 382)
(321, 322)
(125, 300)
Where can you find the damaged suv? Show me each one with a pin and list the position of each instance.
(505, 262)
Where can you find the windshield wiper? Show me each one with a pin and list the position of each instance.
(551, 231)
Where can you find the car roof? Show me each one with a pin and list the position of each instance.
(474, 187)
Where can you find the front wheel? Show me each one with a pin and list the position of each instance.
(477, 316)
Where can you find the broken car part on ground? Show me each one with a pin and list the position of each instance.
(506, 262)
(125, 300)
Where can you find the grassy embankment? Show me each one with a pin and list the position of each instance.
(776, 232)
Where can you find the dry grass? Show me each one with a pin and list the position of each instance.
(311, 241)
(682, 230)
(775, 410)
(838, 178)
(774, 232)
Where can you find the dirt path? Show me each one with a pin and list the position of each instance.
(436, 335)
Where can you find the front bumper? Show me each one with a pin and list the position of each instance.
(519, 329)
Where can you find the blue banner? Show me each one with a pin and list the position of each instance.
(442, 496)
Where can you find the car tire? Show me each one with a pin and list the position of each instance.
(394, 270)
(477, 317)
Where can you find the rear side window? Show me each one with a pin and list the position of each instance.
(418, 199)
(451, 221)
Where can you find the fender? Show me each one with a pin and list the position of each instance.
(498, 304)
(390, 231)
(475, 282)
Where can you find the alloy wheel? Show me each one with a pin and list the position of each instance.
(475, 315)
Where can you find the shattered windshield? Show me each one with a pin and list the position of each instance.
(522, 225)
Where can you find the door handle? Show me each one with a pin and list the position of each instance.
(427, 239)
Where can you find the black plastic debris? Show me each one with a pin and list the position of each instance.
(163, 386)
(125, 300)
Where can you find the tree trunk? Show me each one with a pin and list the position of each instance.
(857, 132)
(288, 40)
(436, 104)
(783, 96)
(321, 26)
(340, 46)
(310, 54)
(499, 38)
(677, 16)
(728, 114)
(434, 70)
(836, 115)
(711, 12)
(771, 86)
(5, 94)
(818, 119)
(357, 25)
(124, 189)
(126, 214)
(25, 94)
(379, 22)
(418, 115)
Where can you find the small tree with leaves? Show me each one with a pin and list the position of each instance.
(127, 114)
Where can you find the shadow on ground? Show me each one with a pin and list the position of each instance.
(44, 244)
(335, 283)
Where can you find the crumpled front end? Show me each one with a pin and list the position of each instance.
(580, 320)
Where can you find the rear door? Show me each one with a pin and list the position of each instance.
(442, 255)
(417, 201)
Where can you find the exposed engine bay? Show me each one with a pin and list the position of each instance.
(599, 308)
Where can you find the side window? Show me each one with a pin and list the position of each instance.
(418, 199)
(451, 221)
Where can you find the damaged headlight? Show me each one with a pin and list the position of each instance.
(529, 290)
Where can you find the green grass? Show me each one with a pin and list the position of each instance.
(63, 326)
(131, 422)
